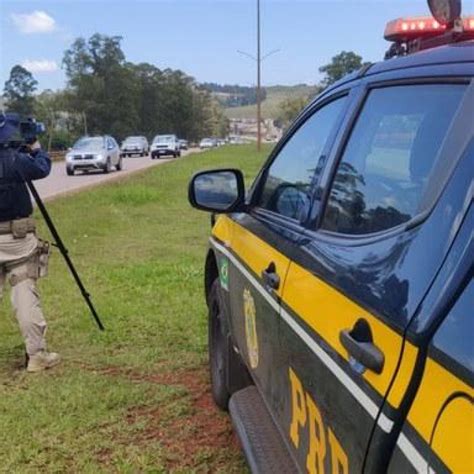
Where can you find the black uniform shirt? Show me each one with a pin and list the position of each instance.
(16, 168)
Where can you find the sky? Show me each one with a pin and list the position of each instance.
(201, 37)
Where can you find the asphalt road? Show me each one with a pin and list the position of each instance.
(58, 182)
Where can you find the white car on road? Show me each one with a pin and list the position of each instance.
(165, 145)
(207, 143)
(94, 153)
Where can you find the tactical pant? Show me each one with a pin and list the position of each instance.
(21, 260)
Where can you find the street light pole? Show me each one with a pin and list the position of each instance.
(259, 60)
(259, 81)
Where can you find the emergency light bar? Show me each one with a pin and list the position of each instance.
(406, 29)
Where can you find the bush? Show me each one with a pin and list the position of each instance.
(61, 140)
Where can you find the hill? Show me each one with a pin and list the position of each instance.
(270, 106)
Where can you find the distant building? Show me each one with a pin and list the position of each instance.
(247, 127)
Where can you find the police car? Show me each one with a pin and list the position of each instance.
(339, 286)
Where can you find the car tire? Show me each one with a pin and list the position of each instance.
(70, 171)
(119, 166)
(218, 350)
(108, 166)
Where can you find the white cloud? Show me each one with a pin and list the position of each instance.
(40, 65)
(36, 22)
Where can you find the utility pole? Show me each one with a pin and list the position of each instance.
(259, 60)
(84, 117)
(259, 81)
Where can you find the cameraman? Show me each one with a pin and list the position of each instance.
(23, 257)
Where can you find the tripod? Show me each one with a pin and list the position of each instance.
(64, 252)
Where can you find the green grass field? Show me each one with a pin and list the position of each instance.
(136, 397)
(270, 106)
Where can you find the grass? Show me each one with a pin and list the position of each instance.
(136, 397)
(271, 105)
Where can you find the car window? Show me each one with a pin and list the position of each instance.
(289, 177)
(452, 339)
(386, 164)
(88, 143)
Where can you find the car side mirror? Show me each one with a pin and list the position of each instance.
(221, 191)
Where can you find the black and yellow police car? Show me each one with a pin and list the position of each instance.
(339, 286)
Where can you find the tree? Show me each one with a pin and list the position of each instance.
(289, 110)
(50, 108)
(102, 88)
(120, 98)
(343, 63)
(19, 90)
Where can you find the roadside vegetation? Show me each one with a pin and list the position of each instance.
(135, 398)
(107, 94)
(274, 98)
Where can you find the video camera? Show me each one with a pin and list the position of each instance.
(15, 132)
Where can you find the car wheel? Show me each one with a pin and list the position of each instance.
(70, 171)
(218, 350)
(108, 166)
(119, 166)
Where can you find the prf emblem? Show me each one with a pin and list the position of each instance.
(251, 328)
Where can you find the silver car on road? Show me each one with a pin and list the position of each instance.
(135, 146)
(94, 153)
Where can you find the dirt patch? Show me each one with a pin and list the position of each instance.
(203, 428)
(188, 427)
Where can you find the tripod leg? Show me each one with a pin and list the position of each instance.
(64, 252)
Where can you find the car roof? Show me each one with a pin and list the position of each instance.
(462, 52)
(452, 53)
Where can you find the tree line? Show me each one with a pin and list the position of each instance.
(234, 95)
(105, 93)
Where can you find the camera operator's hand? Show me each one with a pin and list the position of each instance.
(35, 146)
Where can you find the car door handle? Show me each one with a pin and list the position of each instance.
(359, 343)
(270, 278)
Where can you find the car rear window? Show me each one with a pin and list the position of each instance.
(386, 165)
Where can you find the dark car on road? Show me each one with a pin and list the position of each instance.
(340, 287)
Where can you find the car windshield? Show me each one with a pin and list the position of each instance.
(163, 139)
(133, 140)
(89, 143)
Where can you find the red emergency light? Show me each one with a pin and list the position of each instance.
(406, 29)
